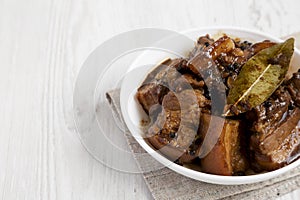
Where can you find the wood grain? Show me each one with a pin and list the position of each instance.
(43, 45)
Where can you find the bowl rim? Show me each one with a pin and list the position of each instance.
(201, 176)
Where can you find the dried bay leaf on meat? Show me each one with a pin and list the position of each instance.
(259, 77)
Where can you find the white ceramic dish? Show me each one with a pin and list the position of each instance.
(133, 113)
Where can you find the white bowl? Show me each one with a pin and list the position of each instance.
(133, 113)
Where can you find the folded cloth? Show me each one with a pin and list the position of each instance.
(167, 184)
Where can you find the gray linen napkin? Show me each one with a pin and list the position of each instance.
(167, 184)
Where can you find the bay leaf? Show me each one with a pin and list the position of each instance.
(260, 76)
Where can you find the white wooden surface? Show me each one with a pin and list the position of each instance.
(43, 43)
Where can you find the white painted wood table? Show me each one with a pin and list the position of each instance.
(43, 44)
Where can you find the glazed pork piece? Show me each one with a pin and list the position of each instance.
(293, 86)
(172, 94)
(175, 130)
(150, 95)
(228, 155)
(276, 139)
(173, 97)
(162, 79)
